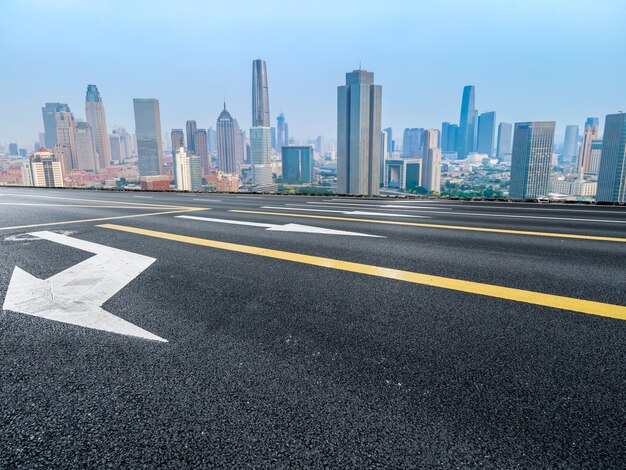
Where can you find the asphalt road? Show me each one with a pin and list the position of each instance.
(300, 349)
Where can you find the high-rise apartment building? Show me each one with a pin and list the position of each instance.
(86, 154)
(96, 118)
(591, 133)
(65, 148)
(226, 155)
(49, 122)
(201, 141)
(486, 133)
(192, 127)
(505, 140)
(531, 159)
(297, 164)
(260, 96)
(570, 143)
(431, 161)
(42, 170)
(177, 137)
(448, 137)
(412, 142)
(149, 141)
(188, 171)
(465, 134)
(359, 108)
(612, 175)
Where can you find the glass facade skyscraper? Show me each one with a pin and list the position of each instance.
(148, 131)
(612, 176)
(486, 133)
(297, 164)
(96, 118)
(260, 96)
(465, 134)
(505, 140)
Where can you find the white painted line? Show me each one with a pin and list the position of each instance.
(75, 296)
(471, 214)
(208, 200)
(384, 206)
(145, 197)
(382, 214)
(280, 228)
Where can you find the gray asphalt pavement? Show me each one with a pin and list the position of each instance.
(309, 349)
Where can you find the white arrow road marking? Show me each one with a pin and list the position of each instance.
(385, 214)
(75, 295)
(281, 228)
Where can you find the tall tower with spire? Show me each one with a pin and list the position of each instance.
(96, 118)
(226, 151)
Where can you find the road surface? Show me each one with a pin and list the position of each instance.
(177, 330)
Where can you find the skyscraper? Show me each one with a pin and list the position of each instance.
(505, 140)
(612, 176)
(570, 143)
(448, 137)
(188, 171)
(359, 107)
(389, 132)
(225, 129)
(297, 164)
(96, 118)
(13, 150)
(591, 133)
(465, 135)
(65, 148)
(212, 136)
(260, 97)
(431, 161)
(115, 142)
(531, 159)
(191, 136)
(486, 133)
(240, 144)
(49, 122)
(260, 155)
(126, 142)
(412, 142)
(201, 141)
(282, 132)
(149, 141)
(178, 142)
(86, 154)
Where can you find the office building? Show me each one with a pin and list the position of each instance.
(96, 118)
(126, 143)
(412, 142)
(431, 161)
(240, 145)
(13, 150)
(201, 141)
(297, 164)
(86, 154)
(448, 137)
(486, 133)
(226, 137)
(42, 170)
(505, 140)
(390, 145)
(212, 137)
(612, 175)
(570, 144)
(191, 136)
(260, 155)
(465, 134)
(596, 155)
(590, 134)
(531, 159)
(49, 122)
(260, 96)
(359, 107)
(149, 141)
(282, 132)
(115, 143)
(177, 136)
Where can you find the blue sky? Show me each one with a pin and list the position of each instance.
(531, 60)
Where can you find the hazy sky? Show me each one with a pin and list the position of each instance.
(558, 60)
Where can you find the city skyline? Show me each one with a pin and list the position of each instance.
(514, 94)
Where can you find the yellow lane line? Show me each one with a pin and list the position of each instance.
(88, 206)
(517, 295)
(449, 227)
(101, 219)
